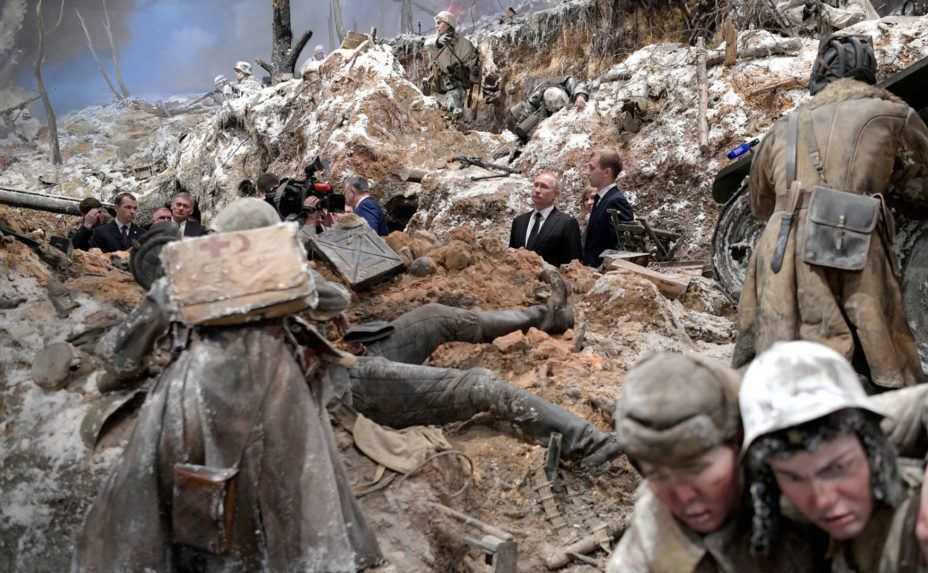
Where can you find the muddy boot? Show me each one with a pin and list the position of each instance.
(539, 418)
(560, 313)
(402, 395)
(495, 323)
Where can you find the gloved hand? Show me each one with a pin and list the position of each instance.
(443, 40)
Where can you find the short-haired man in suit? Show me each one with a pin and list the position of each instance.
(363, 205)
(603, 168)
(545, 230)
(118, 234)
(182, 209)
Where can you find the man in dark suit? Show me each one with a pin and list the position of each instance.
(118, 234)
(181, 209)
(600, 235)
(365, 206)
(545, 230)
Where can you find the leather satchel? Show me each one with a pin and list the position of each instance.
(838, 228)
(203, 509)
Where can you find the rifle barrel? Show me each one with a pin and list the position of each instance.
(41, 201)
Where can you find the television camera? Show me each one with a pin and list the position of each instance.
(289, 196)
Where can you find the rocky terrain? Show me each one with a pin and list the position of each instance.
(362, 111)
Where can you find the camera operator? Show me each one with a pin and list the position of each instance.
(316, 219)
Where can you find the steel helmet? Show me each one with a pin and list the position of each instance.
(446, 17)
(219, 80)
(243, 67)
(796, 382)
(555, 99)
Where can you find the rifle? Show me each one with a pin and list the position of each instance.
(477, 162)
(28, 241)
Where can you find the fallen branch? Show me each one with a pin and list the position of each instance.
(267, 67)
(786, 48)
(785, 84)
(297, 50)
(114, 51)
(21, 104)
(561, 556)
(93, 53)
(703, 82)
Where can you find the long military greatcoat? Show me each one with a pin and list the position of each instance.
(234, 397)
(860, 130)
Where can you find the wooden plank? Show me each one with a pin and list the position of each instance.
(669, 286)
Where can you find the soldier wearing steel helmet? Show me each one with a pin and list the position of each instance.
(813, 436)
(678, 423)
(545, 100)
(454, 65)
(823, 268)
(244, 76)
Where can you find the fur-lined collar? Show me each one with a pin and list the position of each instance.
(848, 89)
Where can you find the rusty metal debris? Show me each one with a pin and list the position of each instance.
(496, 543)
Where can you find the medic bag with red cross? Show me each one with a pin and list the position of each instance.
(238, 277)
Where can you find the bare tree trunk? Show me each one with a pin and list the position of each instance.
(703, 91)
(406, 25)
(283, 36)
(336, 23)
(116, 67)
(93, 52)
(40, 83)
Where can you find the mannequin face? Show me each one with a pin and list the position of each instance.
(830, 485)
(700, 493)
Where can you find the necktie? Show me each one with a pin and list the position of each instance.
(125, 235)
(535, 226)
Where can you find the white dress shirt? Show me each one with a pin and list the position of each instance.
(531, 221)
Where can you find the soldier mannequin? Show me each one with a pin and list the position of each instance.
(240, 405)
(545, 100)
(245, 81)
(848, 138)
(454, 64)
(400, 395)
(813, 436)
(678, 423)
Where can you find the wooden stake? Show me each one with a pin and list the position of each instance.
(730, 33)
(703, 91)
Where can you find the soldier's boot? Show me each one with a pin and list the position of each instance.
(555, 317)
(402, 395)
(536, 417)
(560, 313)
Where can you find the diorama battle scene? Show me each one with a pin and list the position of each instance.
(463, 286)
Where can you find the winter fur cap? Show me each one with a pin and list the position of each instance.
(677, 406)
(244, 214)
(447, 18)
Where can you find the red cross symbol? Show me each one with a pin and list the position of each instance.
(215, 245)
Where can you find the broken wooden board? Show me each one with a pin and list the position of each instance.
(669, 286)
(358, 254)
(637, 257)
